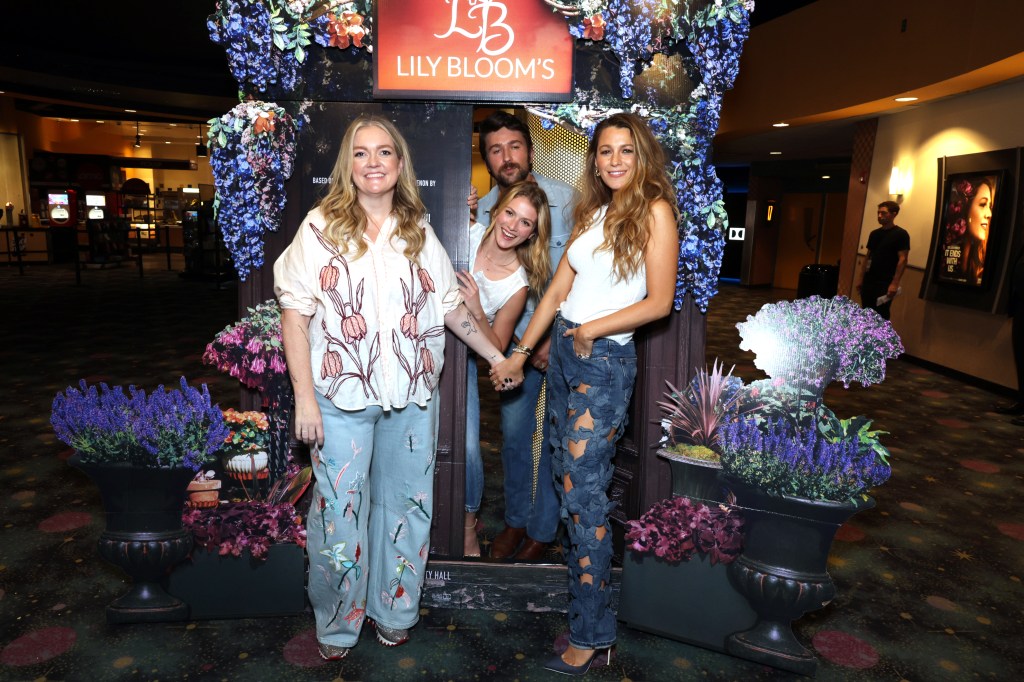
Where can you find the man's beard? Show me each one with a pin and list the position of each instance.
(521, 174)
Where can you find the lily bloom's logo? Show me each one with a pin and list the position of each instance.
(492, 29)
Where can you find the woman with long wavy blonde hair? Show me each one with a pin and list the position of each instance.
(508, 262)
(618, 273)
(366, 291)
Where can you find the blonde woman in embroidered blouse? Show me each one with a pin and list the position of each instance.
(366, 290)
(509, 262)
(618, 273)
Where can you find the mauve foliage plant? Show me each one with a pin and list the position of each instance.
(254, 524)
(167, 428)
(250, 525)
(677, 528)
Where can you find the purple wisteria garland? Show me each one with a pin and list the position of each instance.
(266, 42)
(252, 153)
(715, 37)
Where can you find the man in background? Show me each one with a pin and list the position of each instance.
(888, 248)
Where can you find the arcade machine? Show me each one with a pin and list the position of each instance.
(107, 245)
(62, 214)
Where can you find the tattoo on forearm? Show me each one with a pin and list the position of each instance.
(468, 325)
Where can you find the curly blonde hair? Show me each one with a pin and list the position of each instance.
(627, 223)
(533, 253)
(344, 216)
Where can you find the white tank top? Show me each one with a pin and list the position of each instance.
(493, 293)
(595, 292)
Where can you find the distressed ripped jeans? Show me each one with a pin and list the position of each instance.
(587, 403)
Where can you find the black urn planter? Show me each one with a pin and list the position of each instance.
(697, 479)
(143, 536)
(782, 571)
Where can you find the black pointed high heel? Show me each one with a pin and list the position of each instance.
(557, 665)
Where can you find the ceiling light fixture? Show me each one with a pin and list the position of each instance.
(775, 153)
(780, 124)
(201, 150)
(906, 99)
(138, 138)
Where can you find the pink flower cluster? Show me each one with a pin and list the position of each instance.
(251, 349)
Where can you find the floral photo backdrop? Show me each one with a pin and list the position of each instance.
(268, 44)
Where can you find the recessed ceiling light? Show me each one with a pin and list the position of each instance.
(775, 153)
(101, 121)
(74, 120)
(167, 141)
(906, 99)
(130, 111)
(780, 124)
(826, 177)
(173, 125)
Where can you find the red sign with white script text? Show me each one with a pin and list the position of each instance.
(484, 50)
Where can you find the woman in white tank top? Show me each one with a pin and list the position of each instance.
(618, 274)
(508, 261)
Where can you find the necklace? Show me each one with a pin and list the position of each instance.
(500, 265)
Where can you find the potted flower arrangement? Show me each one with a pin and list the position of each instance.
(675, 568)
(251, 350)
(245, 446)
(204, 490)
(797, 470)
(141, 451)
(692, 422)
(249, 555)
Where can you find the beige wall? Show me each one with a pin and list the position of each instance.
(969, 341)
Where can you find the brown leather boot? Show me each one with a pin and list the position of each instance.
(531, 550)
(507, 542)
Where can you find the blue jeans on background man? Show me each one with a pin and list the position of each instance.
(537, 513)
(474, 458)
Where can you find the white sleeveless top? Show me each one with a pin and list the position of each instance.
(493, 293)
(595, 292)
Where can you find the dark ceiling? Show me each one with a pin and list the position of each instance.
(155, 57)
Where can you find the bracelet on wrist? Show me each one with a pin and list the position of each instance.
(525, 350)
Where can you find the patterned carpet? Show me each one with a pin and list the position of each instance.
(929, 582)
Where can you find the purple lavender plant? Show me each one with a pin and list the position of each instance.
(781, 460)
(176, 428)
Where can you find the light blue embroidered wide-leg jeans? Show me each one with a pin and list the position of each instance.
(368, 529)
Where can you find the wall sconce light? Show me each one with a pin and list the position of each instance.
(201, 148)
(899, 182)
(138, 138)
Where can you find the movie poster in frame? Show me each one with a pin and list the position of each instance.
(971, 214)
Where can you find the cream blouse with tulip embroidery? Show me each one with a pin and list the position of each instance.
(377, 333)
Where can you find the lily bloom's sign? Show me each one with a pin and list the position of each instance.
(483, 50)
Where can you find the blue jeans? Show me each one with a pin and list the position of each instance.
(531, 498)
(368, 529)
(607, 379)
(474, 458)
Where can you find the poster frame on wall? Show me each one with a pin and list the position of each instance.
(945, 281)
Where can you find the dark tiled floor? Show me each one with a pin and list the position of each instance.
(929, 582)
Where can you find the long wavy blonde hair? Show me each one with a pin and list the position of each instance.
(627, 222)
(533, 253)
(345, 217)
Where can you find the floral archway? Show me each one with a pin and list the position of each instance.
(676, 59)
